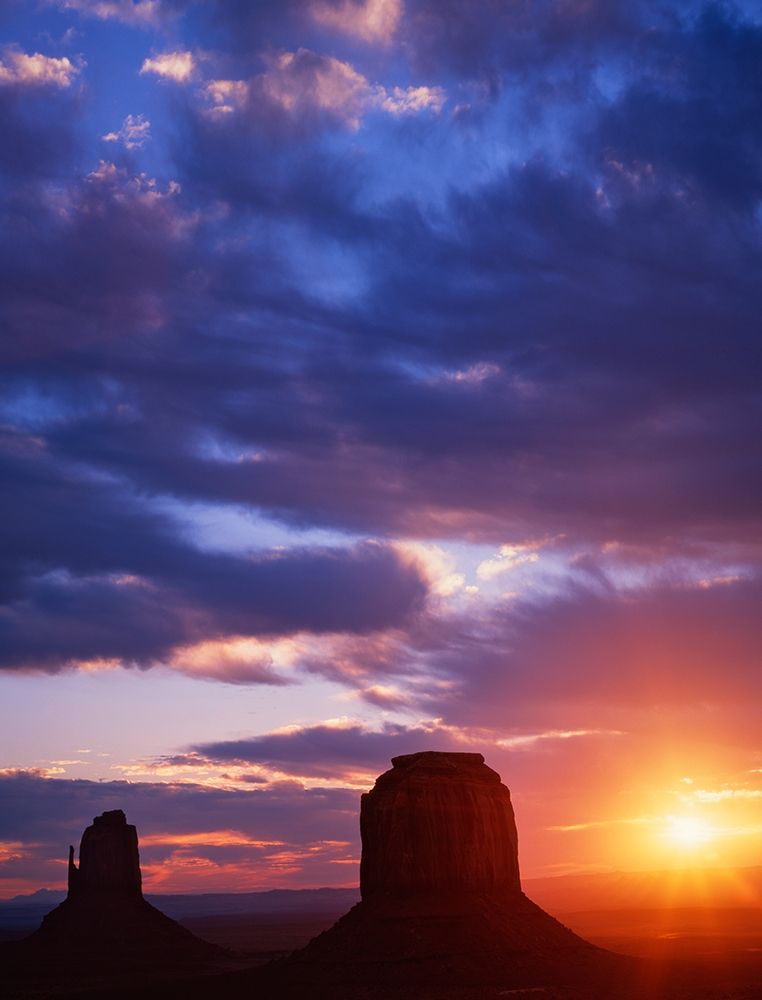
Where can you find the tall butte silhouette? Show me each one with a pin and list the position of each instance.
(441, 902)
(104, 922)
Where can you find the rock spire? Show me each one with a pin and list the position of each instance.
(104, 926)
(109, 861)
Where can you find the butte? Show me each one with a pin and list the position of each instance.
(105, 926)
(442, 912)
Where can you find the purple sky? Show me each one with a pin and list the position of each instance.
(379, 375)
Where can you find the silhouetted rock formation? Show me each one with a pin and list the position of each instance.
(442, 904)
(108, 858)
(104, 924)
(438, 823)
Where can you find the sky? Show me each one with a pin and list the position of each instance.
(379, 376)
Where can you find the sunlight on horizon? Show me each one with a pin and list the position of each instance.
(689, 831)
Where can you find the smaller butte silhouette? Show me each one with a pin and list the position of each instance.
(442, 904)
(105, 923)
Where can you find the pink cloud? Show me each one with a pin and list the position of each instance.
(410, 100)
(139, 13)
(303, 80)
(133, 134)
(176, 66)
(370, 21)
(302, 84)
(36, 70)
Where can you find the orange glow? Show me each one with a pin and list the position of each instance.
(212, 838)
(186, 869)
(10, 850)
(689, 831)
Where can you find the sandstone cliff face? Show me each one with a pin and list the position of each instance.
(438, 823)
(109, 861)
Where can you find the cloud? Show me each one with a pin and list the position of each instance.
(296, 81)
(478, 39)
(509, 557)
(133, 134)
(555, 339)
(303, 85)
(670, 121)
(666, 644)
(136, 13)
(279, 833)
(574, 431)
(92, 576)
(128, 231)
(177, 66)
(368, 20)
(116, 606)
(410, 100)
(19, 69)
(41, 129)
(226, 96)
(549, 771)
(343, 750)
(561, 653)
(256, 838)
(236, 660)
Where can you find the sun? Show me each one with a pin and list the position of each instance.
(689, 831)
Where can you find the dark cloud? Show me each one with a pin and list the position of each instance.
(143, 14)
(565, 657)
(93, 574)
(489, 39)
(272, 163)
(327, 751)
(532, 316)
(561, 347)
(39, 134)
(253, 835)
(602, 410)
(97, 261)
(695, 114)
(568, 654)
(53, 808)
(244, 26)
